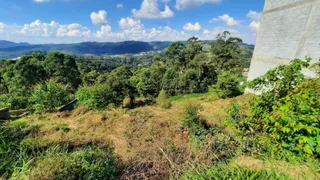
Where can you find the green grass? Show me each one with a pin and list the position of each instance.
(225, 172)
(210, 96)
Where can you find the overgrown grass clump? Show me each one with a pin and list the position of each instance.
(59, 163)
(225, 172)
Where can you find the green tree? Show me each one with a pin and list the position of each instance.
(120, 84)
(170, 81)
(148, 81)
(226, 53)
(63, 69)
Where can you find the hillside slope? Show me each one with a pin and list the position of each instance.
(13, 50)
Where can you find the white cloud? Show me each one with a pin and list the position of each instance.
(192, 27)
(120, 5)
(37, 28)
(2, 26)
(230, 21)
(255, 21)
(128, 22)
(41, 1)
(150, 10)
(254, 15)
(99, 17)
(255, 25)
(183, 4)
(73, 30)
(54, 29)
(212, 34)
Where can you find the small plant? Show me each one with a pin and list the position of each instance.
(163, 101)
(191, 120)
(48, 96)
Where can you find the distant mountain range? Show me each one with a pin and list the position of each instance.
(12, 50)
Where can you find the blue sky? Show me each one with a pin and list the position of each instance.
(69, 21)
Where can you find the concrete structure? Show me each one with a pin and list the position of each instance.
(289, 29)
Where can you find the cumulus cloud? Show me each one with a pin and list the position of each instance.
(255, 25)
(255, 21)
(37, 28)
(2, 26)
(230, 21)
(192, 27)
(254, 15)
(212, 34)
(73, 30)
(183, 4)
(126, 23)
(99, 18)
(150, 10)
(54, 29)
(120, 5)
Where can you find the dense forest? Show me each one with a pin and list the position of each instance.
(178, 115)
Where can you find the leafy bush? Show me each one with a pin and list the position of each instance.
(295, 121)
(163, 100)
(225, 172)
(95, 97)
(191, 120)
(48, 96)
(228, 85)
(14, 101)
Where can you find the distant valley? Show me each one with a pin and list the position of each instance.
(9, 50)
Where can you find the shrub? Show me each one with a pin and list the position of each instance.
(196, 127)
(163, 100)
(14, 101)
(95, 97)
(48, 96)
(295, 122)
(228, 85)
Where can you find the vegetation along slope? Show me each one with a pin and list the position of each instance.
(182, 115)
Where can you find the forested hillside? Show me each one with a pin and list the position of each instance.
(182, 115)
(12, 50)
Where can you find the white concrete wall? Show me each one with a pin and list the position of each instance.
(289, 29)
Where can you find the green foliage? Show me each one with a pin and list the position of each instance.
(287, 112)
(225, 172)
(276, 84)
(87, 163)
(48, 96)
(228, 85)
(148, 80)
(163, 101)
(196, 128)
(119, 82)
(96, 96)
(63, 69)
(13, 155)
(295, 122)
(14, 101)
(226, 53)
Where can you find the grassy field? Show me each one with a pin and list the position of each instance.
(148, 143)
